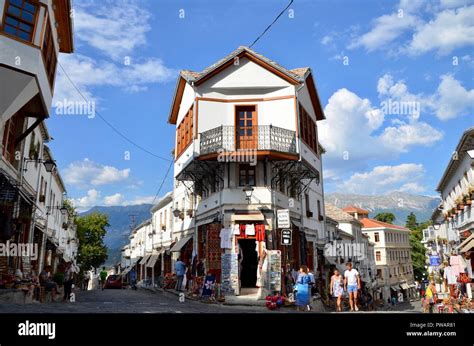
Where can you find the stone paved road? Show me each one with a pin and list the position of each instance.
(126, 301)
(145, 301)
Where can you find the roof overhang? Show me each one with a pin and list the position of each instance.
(461, 150)
(62, 14)
(315, 101)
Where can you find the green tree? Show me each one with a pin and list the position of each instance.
(91, 230)
(417, 248)
(385, 217)
(411, 221)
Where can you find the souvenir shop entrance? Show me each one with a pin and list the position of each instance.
(248, 262)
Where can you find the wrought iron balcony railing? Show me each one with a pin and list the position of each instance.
(261, 137)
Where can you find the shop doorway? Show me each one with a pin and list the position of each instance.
(249, 263)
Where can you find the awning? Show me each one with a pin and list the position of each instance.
(144, 259)
(126, 270)
(395, 288)
(404, 286)
(468, 246)
(247, 217)
(412, 285)
(152, 261)
(204, 221)
(180, 243)
(297, 223)
(465, 242)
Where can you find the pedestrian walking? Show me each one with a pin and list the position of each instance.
(352, 285)
(180, 269)
(133, 278)
(431, 296)
(302, 289)
(47, 282)
(336, 288)
(85, 280)
(103, 276)
(68, 281)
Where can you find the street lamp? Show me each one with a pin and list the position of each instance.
(248, 190)
(436, 226)
(49, 165)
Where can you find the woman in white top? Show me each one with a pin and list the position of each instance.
(337, 288)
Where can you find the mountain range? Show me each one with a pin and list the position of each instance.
(398, 203)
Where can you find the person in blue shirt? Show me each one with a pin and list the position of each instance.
(302, 289)
(133, 278)
(180, 269)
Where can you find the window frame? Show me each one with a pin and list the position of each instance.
(247, 168)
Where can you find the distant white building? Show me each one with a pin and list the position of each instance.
(356, 246)
(392, 258)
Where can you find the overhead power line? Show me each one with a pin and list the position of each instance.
(162, 182)
(136, 145)
(268, 27)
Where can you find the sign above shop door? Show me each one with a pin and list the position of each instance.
(283, 218)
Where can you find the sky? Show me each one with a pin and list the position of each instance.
(395, 80)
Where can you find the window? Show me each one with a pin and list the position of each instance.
(281, 182)
(378, 256)
(184, 134)
(379, 273)
(320, 215)
(307, 205)
(246, 175)
(20, 18)
(377, 237)
(12, 130)
(49, 54)
(309, 132)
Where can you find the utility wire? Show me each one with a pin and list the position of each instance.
(138, 146)
(268, 27)
(162, 182)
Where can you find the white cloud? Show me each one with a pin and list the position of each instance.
(87, 74)
(87, 172)
(115, 199)
(360, 133)
(450, 29)
(383, 179)
(115, 28)
(452, 99)
(93, 198)
(385, 30)
(86, 202)
(450, 26)
(401, 138)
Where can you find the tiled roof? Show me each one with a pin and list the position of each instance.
(337, 214)
(297, 73)
(300, 71)
(353, 209)
(371, 223)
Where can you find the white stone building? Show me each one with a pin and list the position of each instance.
(30, 208)
(246, 146)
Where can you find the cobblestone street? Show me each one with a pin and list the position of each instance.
(145, 301)
(126, 301)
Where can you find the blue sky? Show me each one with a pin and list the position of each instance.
(363, 54)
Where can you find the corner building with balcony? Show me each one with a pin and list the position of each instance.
(246, 147)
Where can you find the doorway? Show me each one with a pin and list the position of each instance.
(249, 263)
(246, 127)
